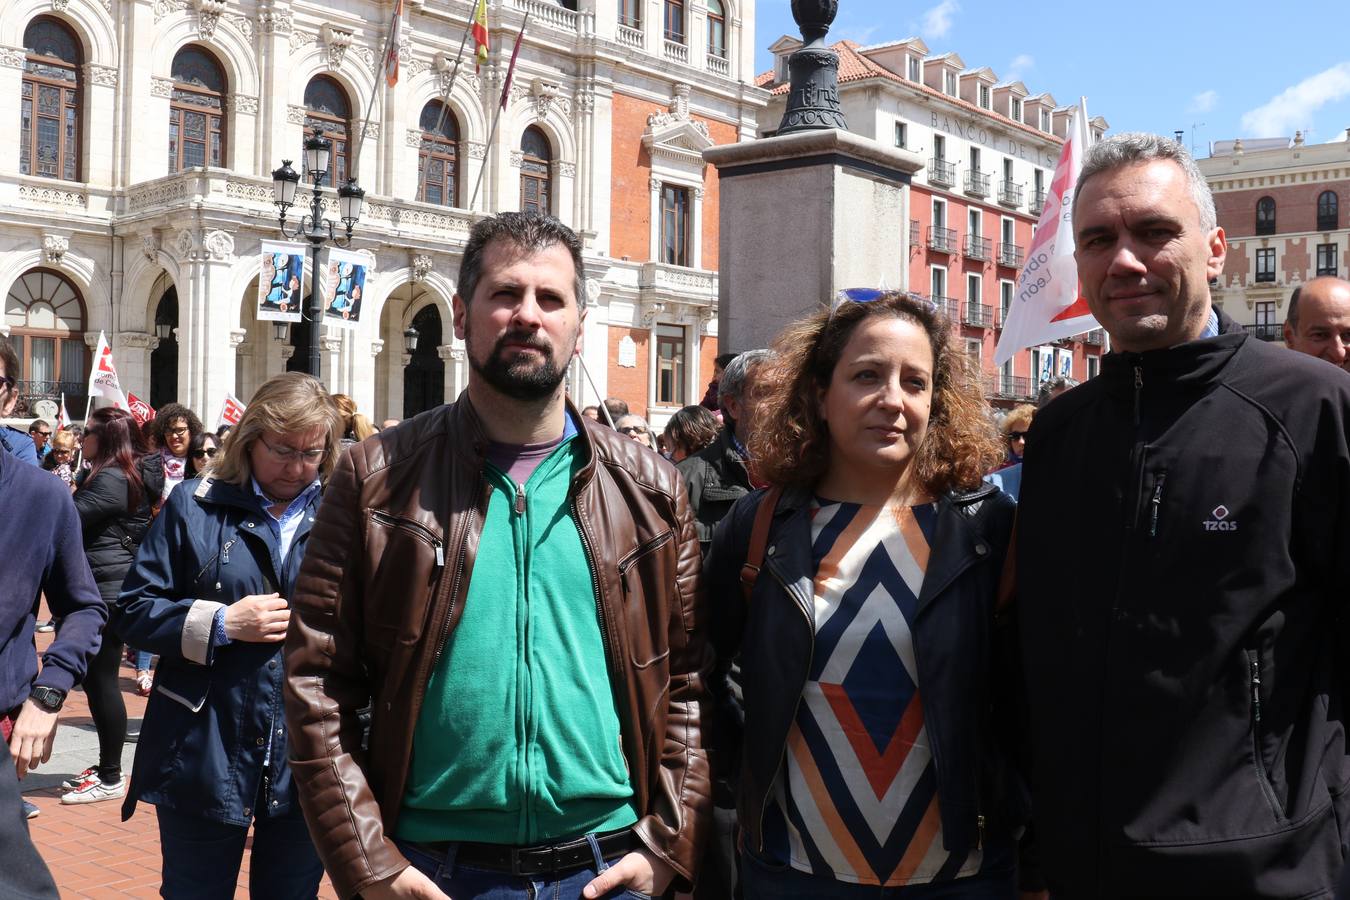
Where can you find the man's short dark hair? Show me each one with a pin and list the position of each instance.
(723, 360)
(529, 231)
(616, 408)
(38, 425)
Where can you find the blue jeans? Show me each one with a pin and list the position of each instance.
(202, 858)
(465, 883)
(768, 881)
(144, 658)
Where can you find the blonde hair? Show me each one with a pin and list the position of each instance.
(1018, 419)
(353, 423)
(64, 440)
(290, 403)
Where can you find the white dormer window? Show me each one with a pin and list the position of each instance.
(1016, 105)
(915, 69)
(984, 96)
(1045, 120)
(949, 82)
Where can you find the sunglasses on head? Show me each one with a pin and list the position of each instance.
(204, 452)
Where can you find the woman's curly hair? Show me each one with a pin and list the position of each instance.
(789, 441)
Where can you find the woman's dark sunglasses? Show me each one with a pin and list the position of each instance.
(205, 451)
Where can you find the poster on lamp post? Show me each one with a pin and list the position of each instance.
(343, 286)
(280, 282)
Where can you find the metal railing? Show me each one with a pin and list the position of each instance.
(30, 392)
(1037, 202)
(948, 306)
(978, 315)
(913, 233)
(1095, 336)
(1010, 255)
(1267, 276)
(1266, 332)
(941, 239)
(977, 184)
(976, 247)
(1008, 387)
(1009, 193)
(941, 172)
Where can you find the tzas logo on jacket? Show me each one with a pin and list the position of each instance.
(1220, 522)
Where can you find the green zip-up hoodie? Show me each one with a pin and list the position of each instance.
(518, 739)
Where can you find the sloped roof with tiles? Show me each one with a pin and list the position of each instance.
(854, 66)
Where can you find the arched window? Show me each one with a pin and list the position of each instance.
(327, 106)
(674, 19)
(438, 156)
(45, 315)
(717, 29)
(1328, 211)
(50, 101)
(1265, 215)
(196, 111)
(535, 180)
(424, 375)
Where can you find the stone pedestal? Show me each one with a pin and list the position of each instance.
(801, 217)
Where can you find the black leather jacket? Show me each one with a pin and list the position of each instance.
(957, 642)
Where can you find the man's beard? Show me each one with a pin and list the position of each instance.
(522, 378)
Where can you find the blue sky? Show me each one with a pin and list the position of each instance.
(1216, 71)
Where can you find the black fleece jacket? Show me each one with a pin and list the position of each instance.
(1183, 562)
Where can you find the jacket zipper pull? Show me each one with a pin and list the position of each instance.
(1157, 505)
(440, 555)
(225, 552)
(1138, 387)
(520, 499)
(1256, 689)
(979, 832)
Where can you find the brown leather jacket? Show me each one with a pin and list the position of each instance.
(383, 584)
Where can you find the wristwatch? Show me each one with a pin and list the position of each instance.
(50, 699)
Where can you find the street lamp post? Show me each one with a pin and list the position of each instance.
(314, 227)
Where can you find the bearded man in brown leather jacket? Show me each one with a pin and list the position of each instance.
(514, 592)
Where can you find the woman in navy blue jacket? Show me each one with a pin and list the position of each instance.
(208, 593)
(870, 761)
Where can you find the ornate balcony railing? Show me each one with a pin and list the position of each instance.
(1010, 255)
(1009, 193)
(943, 240)
(31, 392)
(630, 35)
(677, 52)
(550, 13)
(941, 172)
(976, 247)
(718, 65)
(1007, 387)
(1267, 332)
(977, 315)
(1037, 202)
(977, 184)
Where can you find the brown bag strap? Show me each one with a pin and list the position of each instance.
(759, 539)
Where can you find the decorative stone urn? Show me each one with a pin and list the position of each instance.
(813, 101)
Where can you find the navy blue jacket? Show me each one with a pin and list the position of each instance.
(970, 720)
(18, 444)
(213, 715)
(40, 542)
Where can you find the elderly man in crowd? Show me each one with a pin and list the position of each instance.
(1318, 323)
(1185, 640)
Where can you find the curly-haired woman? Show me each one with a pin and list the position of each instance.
(869, 754)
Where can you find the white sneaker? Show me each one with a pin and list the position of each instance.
(75, 781)
(94, 790)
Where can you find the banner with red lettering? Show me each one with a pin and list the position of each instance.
(231, 411)
(103, 380)
(1048, 305)
(141, 411)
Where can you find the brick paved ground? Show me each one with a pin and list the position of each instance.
(92, 853)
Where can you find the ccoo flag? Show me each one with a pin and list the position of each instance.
(480, 35)
(1048, 304)
(103, 381)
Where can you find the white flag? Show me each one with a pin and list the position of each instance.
(231, 411)
(1048, 304)
(103, 381)
(62, 417)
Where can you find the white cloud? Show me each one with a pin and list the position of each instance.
(1294, 107)
(1204, 101)
(1019, 66)
(937, 21)
(857, 33)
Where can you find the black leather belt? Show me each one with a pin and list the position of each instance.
(544, 859)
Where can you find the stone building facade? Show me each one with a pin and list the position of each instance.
(1284, 207)
(990, 149)
(135, 183)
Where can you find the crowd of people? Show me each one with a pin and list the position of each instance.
(834, 632)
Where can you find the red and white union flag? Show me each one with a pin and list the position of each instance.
(1048, 304)
(141, 411)
(103, 381)
(231, 411)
